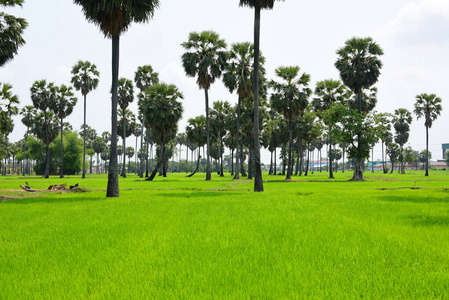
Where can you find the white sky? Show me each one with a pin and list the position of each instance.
(413, 34)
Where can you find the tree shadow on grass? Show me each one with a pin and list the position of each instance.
(417, 199)
(428, 221)
(197, 194)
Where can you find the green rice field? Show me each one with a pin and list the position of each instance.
(185, 238)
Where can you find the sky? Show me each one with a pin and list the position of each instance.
(414, 35)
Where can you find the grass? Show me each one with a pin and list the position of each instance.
(187, 238)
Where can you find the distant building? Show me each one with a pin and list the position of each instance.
(445, 149)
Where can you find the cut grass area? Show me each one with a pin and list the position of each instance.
(187, 238)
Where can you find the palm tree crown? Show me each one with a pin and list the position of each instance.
(115, 16)
(205, 57)
(359, 63)
(265, 4)
(428, 106)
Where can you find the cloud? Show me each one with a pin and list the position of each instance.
(420, 22)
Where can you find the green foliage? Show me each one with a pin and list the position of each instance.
(206, 57)
(8, 108)
(72, 152)
(446, 158)
(115, 16)
(11, 31)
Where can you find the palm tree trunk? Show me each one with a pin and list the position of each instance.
(98, 163)
(237, 156)
(113, 184)
(221, 157)
(197, 165)
(61, 172)
(84, 141)
(427, 151)
(124, 146)
(232, 162)
(47, 150)
(208, 170)
(290, 151)
(358, 171)
(258, 183)
(331, 170)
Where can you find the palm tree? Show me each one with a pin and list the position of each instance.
(85, 79)
(129, 151)
(114, 17)
(11, 30)
(99, 146)
(429, 107)
(63, 106)
(8, 108)
(125, 92)
(43, 95)
(144, 77)
(328, 92)
(162, 111)
(401, 122)
(28, 114)
(196, 136)
(205, 59)
(257, 5)
(359, 66)
(290, 98)
(219, 114)
(238, 76)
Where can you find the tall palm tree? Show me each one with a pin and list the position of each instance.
(162, 110)
(219, 115)
(144, 77)
(43, 95)
(205, 59)
(290, 98)
(257, 5)
(238, 76)
(428, 106)
(359, 66)
(11, 30)
(28, 113)
(196, 136)
(114, 17)
(329, 92)
(401, 123)
(85, 79)
(125, 97)
(63, 106)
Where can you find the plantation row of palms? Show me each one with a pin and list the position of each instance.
(284, 113)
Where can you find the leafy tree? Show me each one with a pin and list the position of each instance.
(43, 95)
(63, 106)
(8, 108)
(238, 76)
(144, 77)
(72, 160)
(205, 59)
(219, 116)
(129, 151)
(99, 146)
(114, 17)
(257, 5)
(424, 156)
(401, 122)
(125, 92)
(411, 156)
(196, 136)
(162, 111)
(427, 107)
(28, 113)
(328, 92)
(290, 98)
(393, 152)
(359, 66)
(85, 78)
(46, 128)
(11, 31)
